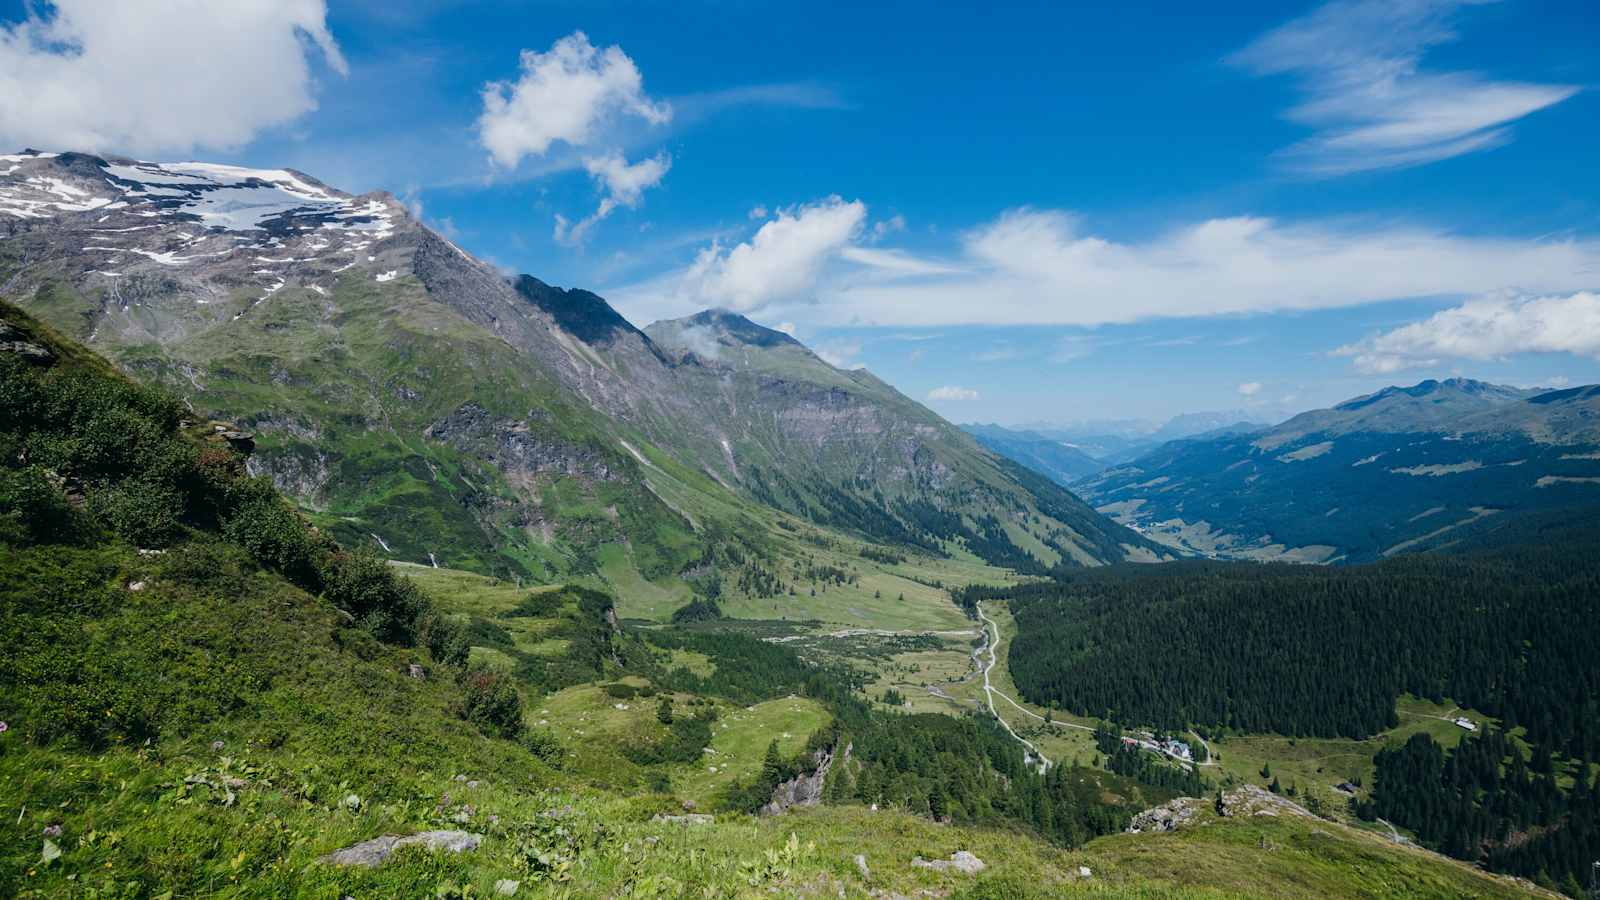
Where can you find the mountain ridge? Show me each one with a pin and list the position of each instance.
(409, 393)
(1405, 468)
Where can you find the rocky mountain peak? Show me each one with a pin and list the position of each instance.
(733, 329)
(584, 314)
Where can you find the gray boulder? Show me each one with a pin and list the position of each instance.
(378, 850)
(960, 861)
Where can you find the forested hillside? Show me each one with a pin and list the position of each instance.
(1242, 648)
(1314, 651)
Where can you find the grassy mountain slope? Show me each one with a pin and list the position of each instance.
(844, 448)
(203, 695)
(420, 404)
(1405, 469)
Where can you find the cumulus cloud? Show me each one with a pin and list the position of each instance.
(1250, 388)
(1372, 104)
(952, 392)
(158, 76)
(781, 263)
(1043, 267)
(568, 94)
(624, 184)
(1485, 329)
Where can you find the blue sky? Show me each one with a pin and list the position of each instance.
(1012, 212)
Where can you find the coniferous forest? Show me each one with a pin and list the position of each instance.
(1513, 632)
(1309, 651)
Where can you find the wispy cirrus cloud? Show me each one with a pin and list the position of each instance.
(1483, 329)
(952, 392)
(1037, 267)
(1373, 105)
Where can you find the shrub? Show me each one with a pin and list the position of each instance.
(143, 511)
(492, 703)
(364, 586)
(32, 509)
(543, 744)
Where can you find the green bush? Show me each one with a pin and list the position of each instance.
(144, 512)
(364, 586)
(492, 703)
(32, 509)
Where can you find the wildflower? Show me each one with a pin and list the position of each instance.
(4, 728)
(52, 831)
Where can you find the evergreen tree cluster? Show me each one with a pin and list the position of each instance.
(1300, 650)
(1485, 802)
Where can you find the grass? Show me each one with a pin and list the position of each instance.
(739, 741)
(1318, 764)
(1287, 856)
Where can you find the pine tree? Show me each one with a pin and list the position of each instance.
(664, 710)
(772, 766)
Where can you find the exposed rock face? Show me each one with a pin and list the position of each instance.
(960, 861)
(378, 850)
(516, 448)
(1184, 812)
(803, 789)
(11, 342)
(1167, 817)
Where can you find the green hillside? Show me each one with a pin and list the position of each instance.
(204, 695)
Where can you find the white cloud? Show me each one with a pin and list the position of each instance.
(1250, 388)
(895, 262)
(1367, 95)
(759, 211)
(839, 354)
(1041, 267)
(567, 94)
(1486, 329)
(781, 263)
(624, 184)
(885, 227)
(158, 76)
(952, 392)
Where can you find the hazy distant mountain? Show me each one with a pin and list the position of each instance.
(1059, 461)
(1405, 468)
(1113, 441)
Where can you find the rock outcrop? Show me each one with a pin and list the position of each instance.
(378, 850)
(960, 861)
(804, 789)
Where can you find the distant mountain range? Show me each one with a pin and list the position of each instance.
(1066, 453)
(1403, 469)
(415, 400)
